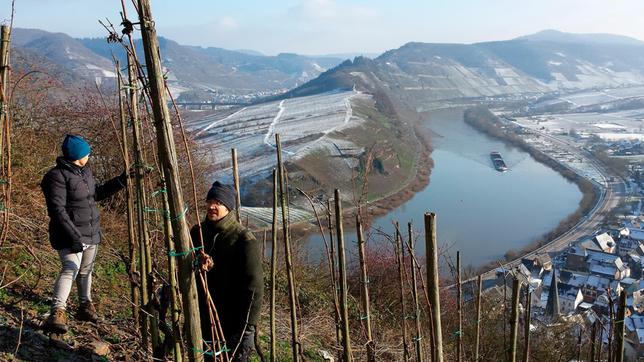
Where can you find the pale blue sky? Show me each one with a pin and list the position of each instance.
(334, 26)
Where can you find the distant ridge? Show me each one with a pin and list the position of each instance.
(593, 38)
(416, 72)
(419, 73)
(190, 67)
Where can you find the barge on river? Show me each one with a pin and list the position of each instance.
(498, 162)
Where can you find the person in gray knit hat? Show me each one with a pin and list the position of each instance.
(236, 281)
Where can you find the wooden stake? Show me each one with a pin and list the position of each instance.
(364, 280)
(400, 256)
(168, 157)
(528, 319)
(514, 319)
(141, 201)
(264, 245)
(431, 243)
(620, 327)
(172, 279)
(578, 357)
(287, 249)
(273, 271)
(414, 290)
(5, 30)
(611, 327)
(5, 131)
(346, 340)
(478, 317)
(233, 152)
(601, 341)
(334, 276)
(593, 339)
(129, 199)
(459, 309)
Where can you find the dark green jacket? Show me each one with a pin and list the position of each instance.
(236, 281)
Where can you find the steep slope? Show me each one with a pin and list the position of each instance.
(222, 70)
(64, 51)
(189, 67)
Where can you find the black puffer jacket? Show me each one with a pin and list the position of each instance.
(71, 194)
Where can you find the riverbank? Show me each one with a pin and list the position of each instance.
(485, 121)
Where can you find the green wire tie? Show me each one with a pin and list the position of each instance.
(224, 349)
(417, 339)
(363, 317)
(144, 165)
(166, 213)
(157, 192)
(457, 333)
(175, 253)
(182, 215)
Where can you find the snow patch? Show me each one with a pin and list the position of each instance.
(610, 136)
(318, 67)
(561, 54)
(552, 62)
(609, 126)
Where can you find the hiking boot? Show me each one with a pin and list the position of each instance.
(56, 322)
(87, 312)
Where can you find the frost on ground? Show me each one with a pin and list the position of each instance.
(305, 125)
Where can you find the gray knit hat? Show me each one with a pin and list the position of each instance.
(222, 193)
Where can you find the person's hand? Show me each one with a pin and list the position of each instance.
(131, 173)
(205, 262)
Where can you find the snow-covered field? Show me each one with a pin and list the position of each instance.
(574, 128)
(304, 125)
(611, 126)
(587, 98)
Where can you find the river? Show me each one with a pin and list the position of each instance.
(480, 211)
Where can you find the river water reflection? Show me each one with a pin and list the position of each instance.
(480, 211)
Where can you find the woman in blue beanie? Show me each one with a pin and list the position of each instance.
(71, 193)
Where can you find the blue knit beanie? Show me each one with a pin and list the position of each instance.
(222, 193)
(75, 148)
